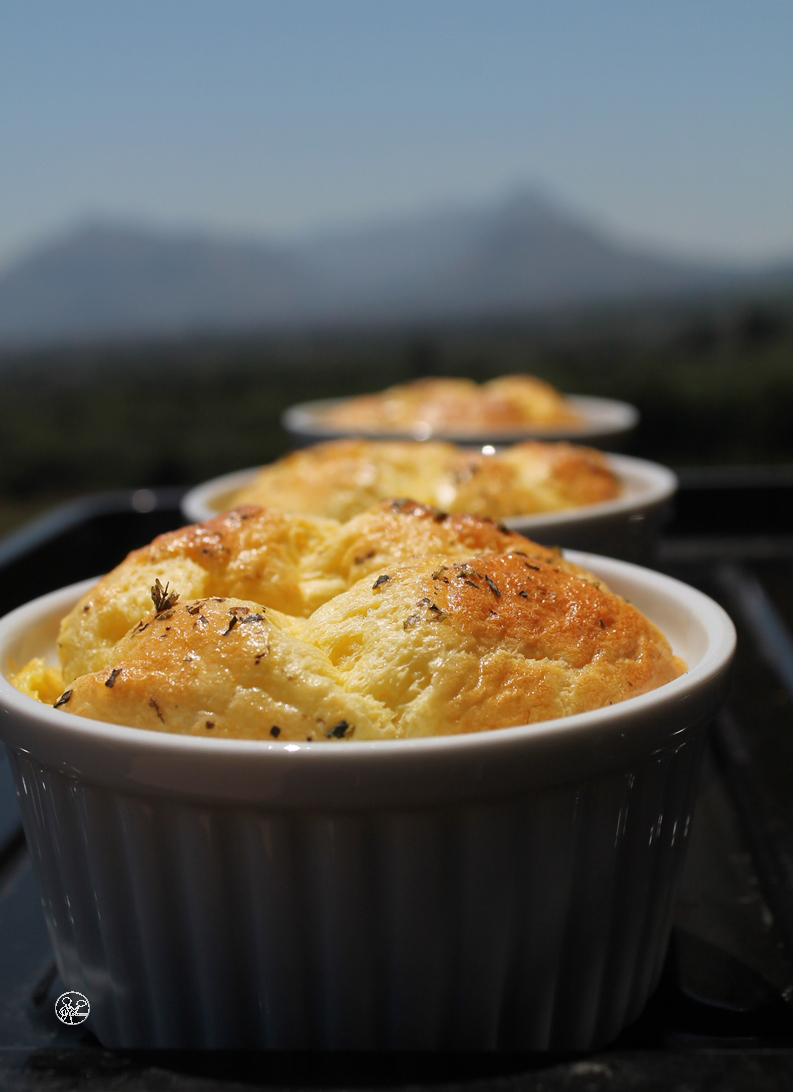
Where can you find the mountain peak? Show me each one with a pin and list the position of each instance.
(527, 203)
(108, 278)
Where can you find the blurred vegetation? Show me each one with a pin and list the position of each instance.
(713, 382)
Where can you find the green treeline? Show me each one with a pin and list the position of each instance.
(713, 386)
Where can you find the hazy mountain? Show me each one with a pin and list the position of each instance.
(522, 255)
(530, 253)
(105, 279)
(387, 257)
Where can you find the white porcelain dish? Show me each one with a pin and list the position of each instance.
(605, 423)
(505, 890)
(626, 527)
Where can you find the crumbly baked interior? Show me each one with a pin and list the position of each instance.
(400, 623)
(341, 478)
(455, 407)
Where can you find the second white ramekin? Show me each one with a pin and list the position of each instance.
(626, 527)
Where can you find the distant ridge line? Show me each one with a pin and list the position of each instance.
(522, 256)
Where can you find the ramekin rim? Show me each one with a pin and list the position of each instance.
(625, 416)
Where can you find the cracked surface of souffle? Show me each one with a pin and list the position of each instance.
(342, 478)
(438, 405)
(400, 623)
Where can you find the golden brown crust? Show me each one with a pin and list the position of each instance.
(406, 623)
(494, 641)
(455, 407)
(250, 553)
(395, 531)
(425, 649)
(289, 563)
(341, 478)
(222, 668)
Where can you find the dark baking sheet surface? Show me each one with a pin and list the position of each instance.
(722, 1017)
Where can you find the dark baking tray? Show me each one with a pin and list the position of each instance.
(722, 1017)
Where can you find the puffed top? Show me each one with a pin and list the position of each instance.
(399, 624)
(344, 477)
(438, 405)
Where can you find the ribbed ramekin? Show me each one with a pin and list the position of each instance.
(505, 890)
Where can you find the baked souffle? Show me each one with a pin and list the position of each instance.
(400, 623)
(341, 478)
(438, 405)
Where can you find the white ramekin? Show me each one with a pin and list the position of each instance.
(505, 890)
(626, 527)
(605, 422)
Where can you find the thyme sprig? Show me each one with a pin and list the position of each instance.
(162, 598)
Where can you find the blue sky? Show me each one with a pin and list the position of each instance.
(666, 121)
